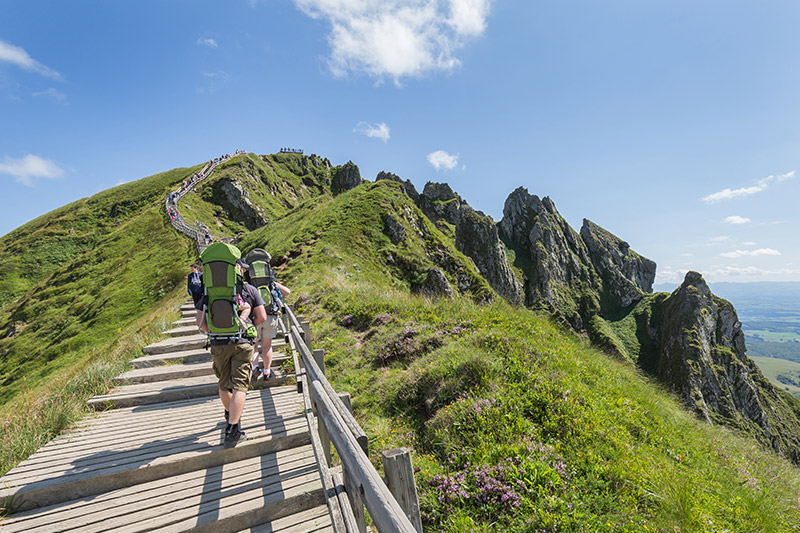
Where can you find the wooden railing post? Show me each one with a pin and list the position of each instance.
(400, 476)
(306, 332)
(356, 503)
(325, 440)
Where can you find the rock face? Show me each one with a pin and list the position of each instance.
(700, 354)
(625, 274)
(393, 229)
(408, 187)
(435, 284)
(233, 197)
(576, 276)
(345, 178)
(475, 236)
(559, 273)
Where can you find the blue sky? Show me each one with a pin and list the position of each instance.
(673, 124)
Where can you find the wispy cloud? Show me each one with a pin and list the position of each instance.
(750, 253)
(215, 79)
(736, 219)
(30, 167)
(720, 239)
(211, 43)
(52, 94)
(375, 131)
(762, 184)
(397, 38)
(442, 160)
(18, 56)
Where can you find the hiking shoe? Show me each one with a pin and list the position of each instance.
(257, 372)
(234, 436)
(268, 375)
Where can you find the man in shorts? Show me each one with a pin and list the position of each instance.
(232, 360)
(267, 331)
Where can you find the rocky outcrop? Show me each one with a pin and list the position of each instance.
(475, 236)
(700, 354)
(577, 276)
(434, 284)
(393, 229)
(233, 197)
(345, 177)
(408, 187)
(625, 274)
(559, 272)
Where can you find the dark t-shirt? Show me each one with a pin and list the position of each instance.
(250, 295)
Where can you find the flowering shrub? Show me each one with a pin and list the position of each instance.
(496, 491)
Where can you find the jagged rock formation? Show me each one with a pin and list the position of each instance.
(559, 273)
(574, 275)
(475, 236)
(394, 230)
(345, 177)
(700, 353)
(408, 187)
(234, 198)
(625, 274)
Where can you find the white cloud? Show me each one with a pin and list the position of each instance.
(736, 219)
(397, 38)
(52, 94)
(762, 184)
(211, 43)
(750, 253)
(29, 167)
(720, 239)
(687, 255)
(442, 160)
(18, 56)
(215, 79)
(375, 131)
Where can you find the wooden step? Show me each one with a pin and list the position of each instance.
(187, 321)
(190, 342)
(182, 331)
(177, 371)
(172, 390)
(188, 356)
(134, 445)
(176, 344)
(282, 489)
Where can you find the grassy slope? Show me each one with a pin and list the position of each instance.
(32, 252)
(516, 425)
(772, 368)
(132, 259)
(276, 183)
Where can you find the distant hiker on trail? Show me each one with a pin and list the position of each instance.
(260, 275)
(231, 348)
(194, 284)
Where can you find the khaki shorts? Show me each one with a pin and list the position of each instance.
(269, 328)
(232, 365)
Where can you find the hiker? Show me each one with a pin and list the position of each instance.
(267, 331)
(260, 275)
(232, 355)
(194, 283)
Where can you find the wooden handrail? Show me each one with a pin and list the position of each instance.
(349, 440)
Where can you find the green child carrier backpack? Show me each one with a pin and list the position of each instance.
(263, 278)
(222, 285)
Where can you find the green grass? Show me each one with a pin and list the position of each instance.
(772, 368)
(774, 336)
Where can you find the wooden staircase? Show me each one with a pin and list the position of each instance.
(153, 458)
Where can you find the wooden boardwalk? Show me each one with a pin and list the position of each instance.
(154, 459)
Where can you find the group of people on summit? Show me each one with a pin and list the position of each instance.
(238, 305)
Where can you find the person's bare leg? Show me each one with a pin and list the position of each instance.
(225, 396)
(266, 354)
(236, 406)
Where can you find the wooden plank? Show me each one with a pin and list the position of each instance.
(129, 506)
(182, 331)
(96, 467)
(400, 475)
(186, 356)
